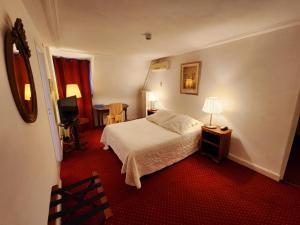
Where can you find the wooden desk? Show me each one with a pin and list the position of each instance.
(100, 110)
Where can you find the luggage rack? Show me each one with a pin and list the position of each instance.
(83, 199)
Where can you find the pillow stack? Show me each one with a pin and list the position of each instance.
(171, 121)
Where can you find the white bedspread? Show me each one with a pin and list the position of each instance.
(144, 147)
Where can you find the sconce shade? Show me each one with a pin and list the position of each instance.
(27, 92)
(212, 105)
(73, 89)
(153, 97)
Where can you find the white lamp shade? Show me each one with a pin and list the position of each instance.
(212, 105)
(153, 97)
(27, 92)
(73, 89)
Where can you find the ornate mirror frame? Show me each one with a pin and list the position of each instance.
(17, 36)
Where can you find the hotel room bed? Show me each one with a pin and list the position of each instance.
(145, 147)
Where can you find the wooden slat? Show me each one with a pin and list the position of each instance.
(107, 212)
(79, 197)
(85, 202)
(211, 143)
(74, 196)
(83, 217)
(59, 191)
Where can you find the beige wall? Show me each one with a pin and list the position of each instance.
(258, 79)
(27, 163)
(119, 80)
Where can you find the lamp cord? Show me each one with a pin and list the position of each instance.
(147, 77)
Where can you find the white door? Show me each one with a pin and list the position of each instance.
(47, 96)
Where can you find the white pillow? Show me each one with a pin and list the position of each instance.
(180, 123)
(161, 116)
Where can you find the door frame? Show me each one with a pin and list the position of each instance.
(42, 62)
(291, 137)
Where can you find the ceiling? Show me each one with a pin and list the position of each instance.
(115, 27)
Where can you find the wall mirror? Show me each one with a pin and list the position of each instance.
(19, 72)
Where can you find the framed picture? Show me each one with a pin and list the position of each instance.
(189, 78)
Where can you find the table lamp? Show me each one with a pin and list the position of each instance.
(189, 83)
(153, 98)
(27, 92)
(73, 89)
(212, 105)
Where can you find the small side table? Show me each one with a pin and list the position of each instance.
(215, 143)
(151, 111)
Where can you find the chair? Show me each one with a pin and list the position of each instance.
(115, 113)
(71, 135)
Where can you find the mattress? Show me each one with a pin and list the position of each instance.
(144, 147)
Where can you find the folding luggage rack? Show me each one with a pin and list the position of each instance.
(87, 203)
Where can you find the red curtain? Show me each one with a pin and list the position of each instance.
(75, 71)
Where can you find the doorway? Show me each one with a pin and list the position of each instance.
(292, 172)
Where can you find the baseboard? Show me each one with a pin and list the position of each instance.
(255, 167)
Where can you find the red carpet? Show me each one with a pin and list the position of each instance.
(193, 191)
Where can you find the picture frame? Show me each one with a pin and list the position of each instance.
(189, 78)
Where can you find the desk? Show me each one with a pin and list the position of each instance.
(100, 110)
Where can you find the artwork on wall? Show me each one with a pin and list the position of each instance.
(189, 78)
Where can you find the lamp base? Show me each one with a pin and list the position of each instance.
(210, 126)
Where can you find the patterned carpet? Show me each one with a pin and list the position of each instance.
(193, 191)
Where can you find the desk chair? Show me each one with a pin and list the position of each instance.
(115, 113)
(73, 139)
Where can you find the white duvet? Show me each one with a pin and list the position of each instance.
(144, 147)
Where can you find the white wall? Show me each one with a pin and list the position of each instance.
(28, 167)
(258, 79)
(118, 79)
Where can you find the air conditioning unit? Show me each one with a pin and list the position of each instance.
(160, 64)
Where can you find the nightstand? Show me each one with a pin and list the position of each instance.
(215, 143)
(151, 111)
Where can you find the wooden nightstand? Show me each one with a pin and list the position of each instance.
(215, 143)
(151, 111)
